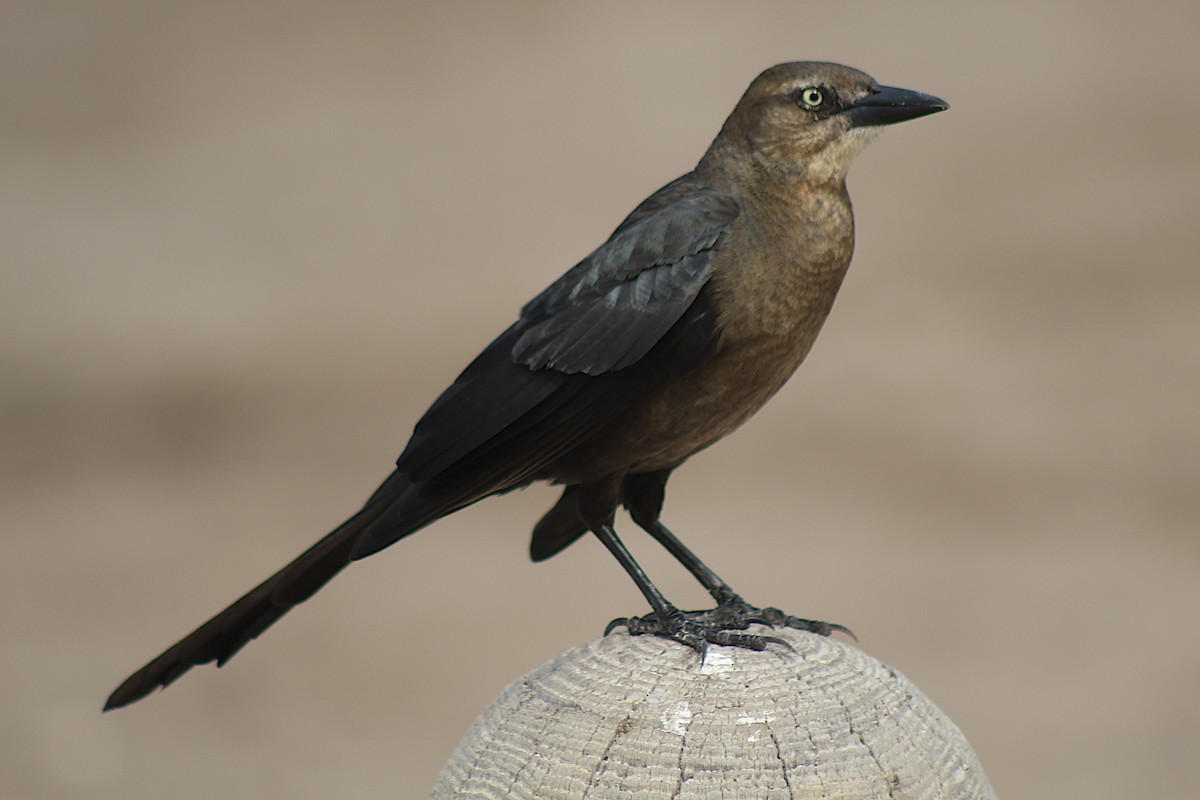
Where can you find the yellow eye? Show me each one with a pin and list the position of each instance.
(812, 97)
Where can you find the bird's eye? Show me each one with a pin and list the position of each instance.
(812, 97)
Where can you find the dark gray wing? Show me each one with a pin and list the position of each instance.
(609, 310)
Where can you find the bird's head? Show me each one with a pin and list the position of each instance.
(811, 118)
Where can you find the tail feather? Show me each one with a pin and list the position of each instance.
(224, 635)
(559, 527)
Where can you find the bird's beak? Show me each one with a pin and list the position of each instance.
(888, 104)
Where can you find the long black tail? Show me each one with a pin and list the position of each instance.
(224, 635)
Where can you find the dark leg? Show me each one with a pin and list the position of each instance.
(598, 505)
(643, 497)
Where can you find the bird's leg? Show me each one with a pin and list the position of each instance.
(597, 505)
(731, 611)
(643, 496)
(668, 620)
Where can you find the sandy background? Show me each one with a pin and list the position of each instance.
(243, 245)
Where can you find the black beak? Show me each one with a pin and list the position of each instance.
(887, 104)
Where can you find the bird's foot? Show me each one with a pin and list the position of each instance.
(691, 628)
(734, 613)
(720, 625)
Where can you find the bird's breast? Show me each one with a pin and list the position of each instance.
(689, 412)
(781, 267)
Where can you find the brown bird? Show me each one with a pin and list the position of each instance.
(670, 335)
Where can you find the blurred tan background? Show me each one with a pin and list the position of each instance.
(243, 245)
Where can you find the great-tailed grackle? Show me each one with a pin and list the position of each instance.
(667, 337)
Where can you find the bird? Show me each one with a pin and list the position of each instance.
(667, 337)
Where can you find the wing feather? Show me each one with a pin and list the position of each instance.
(609, 310)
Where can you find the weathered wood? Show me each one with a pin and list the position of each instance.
(623, 717)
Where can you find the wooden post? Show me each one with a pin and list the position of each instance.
(641, 717)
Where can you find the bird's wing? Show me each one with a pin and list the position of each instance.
(632, 313)
(609, 310)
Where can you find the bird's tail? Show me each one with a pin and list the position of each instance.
(559, 527)
(224, 635)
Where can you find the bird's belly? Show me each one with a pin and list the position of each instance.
(686, 414)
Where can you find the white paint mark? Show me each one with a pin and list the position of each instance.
(716, 661)
(753, 720)
(757, 725)
(676, 718)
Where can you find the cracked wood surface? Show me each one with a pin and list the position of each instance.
(642, 717)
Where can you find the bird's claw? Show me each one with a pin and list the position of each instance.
(690, 628)
(776, 618)
(698, 629)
